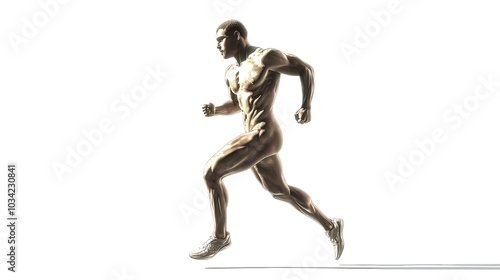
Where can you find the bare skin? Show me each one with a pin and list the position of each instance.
(253, 83)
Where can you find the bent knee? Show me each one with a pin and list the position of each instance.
(209, 175)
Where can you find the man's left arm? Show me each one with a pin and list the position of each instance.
(289, 64)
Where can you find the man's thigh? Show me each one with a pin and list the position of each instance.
(241, 153)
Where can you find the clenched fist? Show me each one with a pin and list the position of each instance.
(303, 115)
(208, 109)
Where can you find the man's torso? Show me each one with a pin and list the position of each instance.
(255, 88)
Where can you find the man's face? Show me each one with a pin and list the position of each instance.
(226, 44)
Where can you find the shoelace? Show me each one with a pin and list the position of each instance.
(207, 243)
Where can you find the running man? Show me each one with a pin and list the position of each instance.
(253, 83)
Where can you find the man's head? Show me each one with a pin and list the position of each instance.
(230, 35)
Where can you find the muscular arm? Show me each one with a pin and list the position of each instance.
(288, 64)
(227, 108)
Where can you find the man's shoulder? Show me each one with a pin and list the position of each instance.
(229, 67)
(263, 52)
(266, 56)
(229, 72)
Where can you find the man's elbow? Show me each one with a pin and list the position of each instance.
(306, 70)
(309, 70)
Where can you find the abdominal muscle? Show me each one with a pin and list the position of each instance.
(259, 120)
(255, 93)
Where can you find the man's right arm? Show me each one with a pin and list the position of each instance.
(227, 108)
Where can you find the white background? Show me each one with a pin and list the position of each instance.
(121, 212)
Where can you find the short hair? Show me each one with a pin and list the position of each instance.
(232, 25)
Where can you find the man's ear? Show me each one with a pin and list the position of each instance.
(237, 35)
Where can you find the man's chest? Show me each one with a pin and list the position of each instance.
(246, 77)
